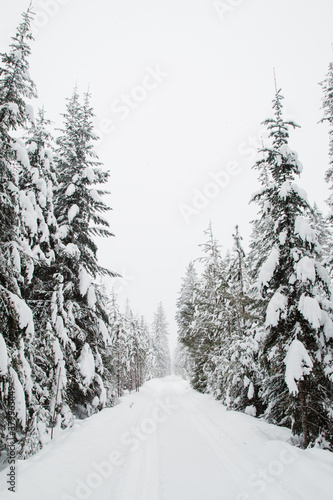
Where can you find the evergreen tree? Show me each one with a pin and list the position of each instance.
(78, 209)
(16, 88)
(241, 373)
(182, 362)
(161, 353)
(211, 327)
(186, 304)
(38, 181)
(296, 347)
(185, 316)
(327, 105)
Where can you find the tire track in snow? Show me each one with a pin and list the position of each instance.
(240, 466)
(139, 476)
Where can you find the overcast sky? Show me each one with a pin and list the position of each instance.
(180, 88)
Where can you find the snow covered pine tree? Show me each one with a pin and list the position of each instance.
(16, 256)
(297, 345)
(83, 320)
(160, 348)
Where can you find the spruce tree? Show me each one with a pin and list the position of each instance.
(327, 106)
(296, 348)
(241, 373)
(78, 209)
(16, 89)
(160, 347)
(211, 326)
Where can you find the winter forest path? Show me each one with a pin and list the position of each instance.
(168, 442)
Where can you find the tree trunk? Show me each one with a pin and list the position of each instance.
(302, 399)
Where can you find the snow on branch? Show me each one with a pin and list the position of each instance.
(19, 398)
(276, 306)
(86, 364)
(305, 269)
(298, 363)
(23, 312)
(268, 267)
(310, 310)
(302, 227)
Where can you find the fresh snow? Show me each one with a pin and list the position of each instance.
(11, 106)
(88, 173)
(305, 269)
(285, 189)
(302, 227)
(70, 190)
(29, 215)
(291, 156)
(328, 325)
(84, 281)
(95, 196)
(300, 191)
(268, 267)
(250, 392)
(29, 111)
(323, 274)
(72, 212)
(275, 307)
(28, 384)
(91, 297)
(170, 442)
(310, 310)
(21, 153)
(19, 398)
(298, 363)
(23, 312)
(72, 250)
(86, 364)
(105, 333)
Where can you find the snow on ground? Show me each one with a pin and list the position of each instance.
(168, 442)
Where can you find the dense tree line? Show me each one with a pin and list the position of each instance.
(256, 330)
(66, 349)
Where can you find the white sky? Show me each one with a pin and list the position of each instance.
(205, 111)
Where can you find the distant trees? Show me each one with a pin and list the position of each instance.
(161, 363)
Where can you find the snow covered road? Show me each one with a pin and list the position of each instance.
(168, 442)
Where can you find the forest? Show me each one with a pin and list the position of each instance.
(67, 350)
(255, 330)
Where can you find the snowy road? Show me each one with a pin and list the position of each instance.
(168, 442)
